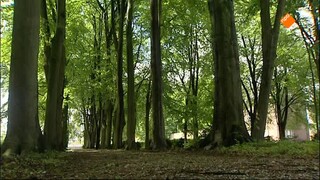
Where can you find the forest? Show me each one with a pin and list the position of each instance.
(160, 89)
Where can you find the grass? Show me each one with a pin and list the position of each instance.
(286, 147)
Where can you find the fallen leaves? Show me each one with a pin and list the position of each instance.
(107, 164)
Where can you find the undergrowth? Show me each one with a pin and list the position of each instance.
(286, 147)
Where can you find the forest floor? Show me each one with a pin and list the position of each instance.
(177, 164)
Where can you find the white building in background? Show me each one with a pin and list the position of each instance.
(302, 131)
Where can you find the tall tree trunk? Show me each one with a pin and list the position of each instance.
(229, 126)
(23, 126)
(86, 126)
(186, 116)
(131, 123)
(278, 104)
(156, 71)
(120, 121)
(55, 83)
(285, 112)
(92, 122)
(47, 37)
(65, 122)
(103, 130)
(96, 77)
(109, 113)
(269, 48)
(147, 118)
(99, 115)
(195, 87)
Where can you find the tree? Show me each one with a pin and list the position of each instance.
(313, 48)
(270, 36)
(120, 120)
(55, 70)
(147, 116)
(106, 122)
(194, 79)
(283, 99)
(24, 132)
(131, 123)
(156, 73)
(250, 84)
(228, 126)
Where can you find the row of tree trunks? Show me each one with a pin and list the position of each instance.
(228, 122)
(112, 128)
(110, 100)
(107, 102)
(109, 113)
(95, 112)
(92, 116)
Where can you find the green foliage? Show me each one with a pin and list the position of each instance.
(5, 52)
(280, 148)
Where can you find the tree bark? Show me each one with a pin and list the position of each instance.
(55, 83)
(103, 127)
(195, 85)
(156, 71)
(120, 121)
(109, 113)
(269, 48)
(23, 130)
(131, 123)
(65, 122)
(47, 36)
(147, 118)
(229, 126)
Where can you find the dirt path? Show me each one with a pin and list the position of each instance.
(105, 164)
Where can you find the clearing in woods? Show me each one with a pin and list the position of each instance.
(120, 164)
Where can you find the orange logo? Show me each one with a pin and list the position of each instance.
(287, 20)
